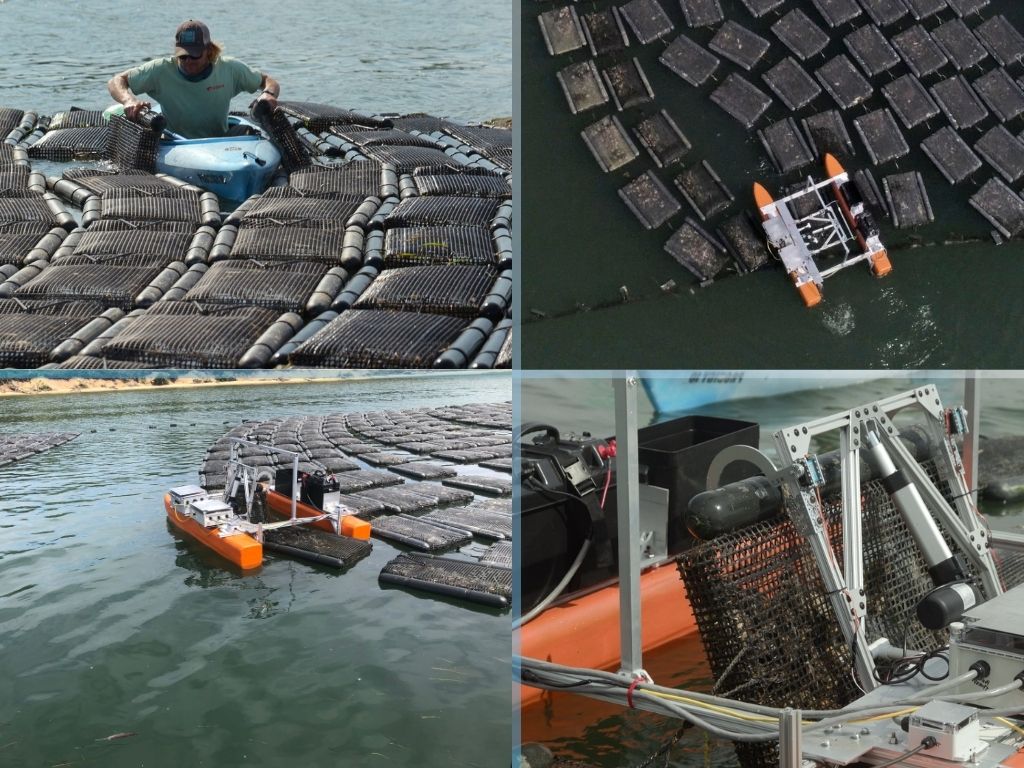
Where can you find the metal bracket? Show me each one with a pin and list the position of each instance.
(846, 586)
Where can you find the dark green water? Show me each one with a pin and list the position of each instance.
(943, 305)
(451, 58)
(109, 623)
(607, 736)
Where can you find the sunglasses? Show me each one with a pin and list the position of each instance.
(184, 56)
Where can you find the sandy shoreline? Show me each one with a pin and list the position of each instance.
(47, 386)
(44, 385)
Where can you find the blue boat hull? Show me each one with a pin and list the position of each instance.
(232, 167)
(685, 391)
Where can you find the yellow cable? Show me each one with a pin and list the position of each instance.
(714, 707)
(1009, 724)
(740, 715)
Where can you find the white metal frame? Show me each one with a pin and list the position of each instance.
(845, 585)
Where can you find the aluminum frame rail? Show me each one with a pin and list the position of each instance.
(845, 585)
(240, 475)
(628, 498)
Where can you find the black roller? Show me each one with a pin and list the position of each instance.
(338, 146)
(161, 284)
(92, 329)
(743, 503)
(388, 181)
(60, 213)
(185, 283)
(223, 242)
(22, 276)
(47, 246)
(95, 347)
(69, 244)
(373, 249)
(326, 290)
(407, 186)
(359, 283)
(946, 604)
(235, 217)
(209, 209)
(270, 341)
(34, 136)
(732, 507)
(155, 121)
(466, 344)
(199, 249)
(487, 357)
(308, 331)
(91, 210)
(36, 183)
(495, 304)
(72, 191)
(361, 218)
(503, 218)
(352, 248)
(386, 207)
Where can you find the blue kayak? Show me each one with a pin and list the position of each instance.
(232, 167)
(683, 391)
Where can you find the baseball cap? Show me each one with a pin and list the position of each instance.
(191, 38)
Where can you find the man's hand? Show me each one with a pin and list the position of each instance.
(270, 99)
(134, 107)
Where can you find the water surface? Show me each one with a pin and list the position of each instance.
(610, 736)
(451, 59)
(110, 623)
(946, 303)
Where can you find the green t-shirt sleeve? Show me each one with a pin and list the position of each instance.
(143, 79)
(246, 78)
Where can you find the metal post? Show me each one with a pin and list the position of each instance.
(790, 739)
(853, 540)
(295, 484)
(972, 402)
(627, 475)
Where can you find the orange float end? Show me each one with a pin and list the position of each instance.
(832, 166)
(355, 527)
(762, 197)
(1016, 760)
(809, 293)
(281, 505)
(880, 264)
(351, 525)
(240, 548)
(584, 632)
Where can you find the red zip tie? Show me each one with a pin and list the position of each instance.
(629, 693)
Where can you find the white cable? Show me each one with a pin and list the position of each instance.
(536, 610)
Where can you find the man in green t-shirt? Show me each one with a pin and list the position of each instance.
(194, 87)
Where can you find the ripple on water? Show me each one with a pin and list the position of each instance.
(839, 319)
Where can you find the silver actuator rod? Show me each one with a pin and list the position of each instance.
(942, 566)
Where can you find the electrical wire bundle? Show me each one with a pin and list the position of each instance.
(896, 671)
(737, 720)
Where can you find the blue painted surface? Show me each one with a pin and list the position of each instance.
(233, 167)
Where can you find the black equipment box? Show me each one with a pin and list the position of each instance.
(313, 486)
(565, 478)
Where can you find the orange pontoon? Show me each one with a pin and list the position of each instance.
(583, 631)
(350, 525)
(798, 237)
(239, 548)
